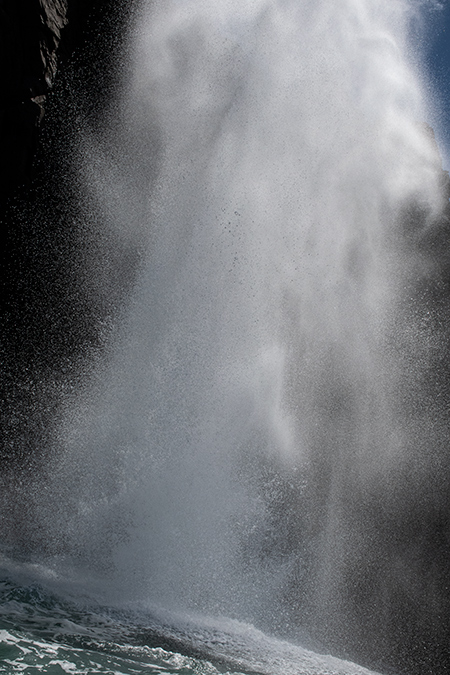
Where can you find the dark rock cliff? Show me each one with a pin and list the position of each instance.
(60, 63)
(30, 35)
(37, 38)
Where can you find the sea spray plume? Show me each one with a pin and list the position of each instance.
(244, 451)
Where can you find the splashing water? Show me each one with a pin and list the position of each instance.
(229, 457)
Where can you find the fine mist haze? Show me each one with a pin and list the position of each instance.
(266, 435)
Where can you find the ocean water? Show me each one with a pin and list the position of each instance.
(46, 630)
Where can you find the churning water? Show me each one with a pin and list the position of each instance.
(251, 439)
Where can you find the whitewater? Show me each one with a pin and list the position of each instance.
(45, 632)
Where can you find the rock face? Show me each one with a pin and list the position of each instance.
(57, 57)
(37, 37)
(30, 34)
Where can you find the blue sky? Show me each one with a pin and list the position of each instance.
(435, 45)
